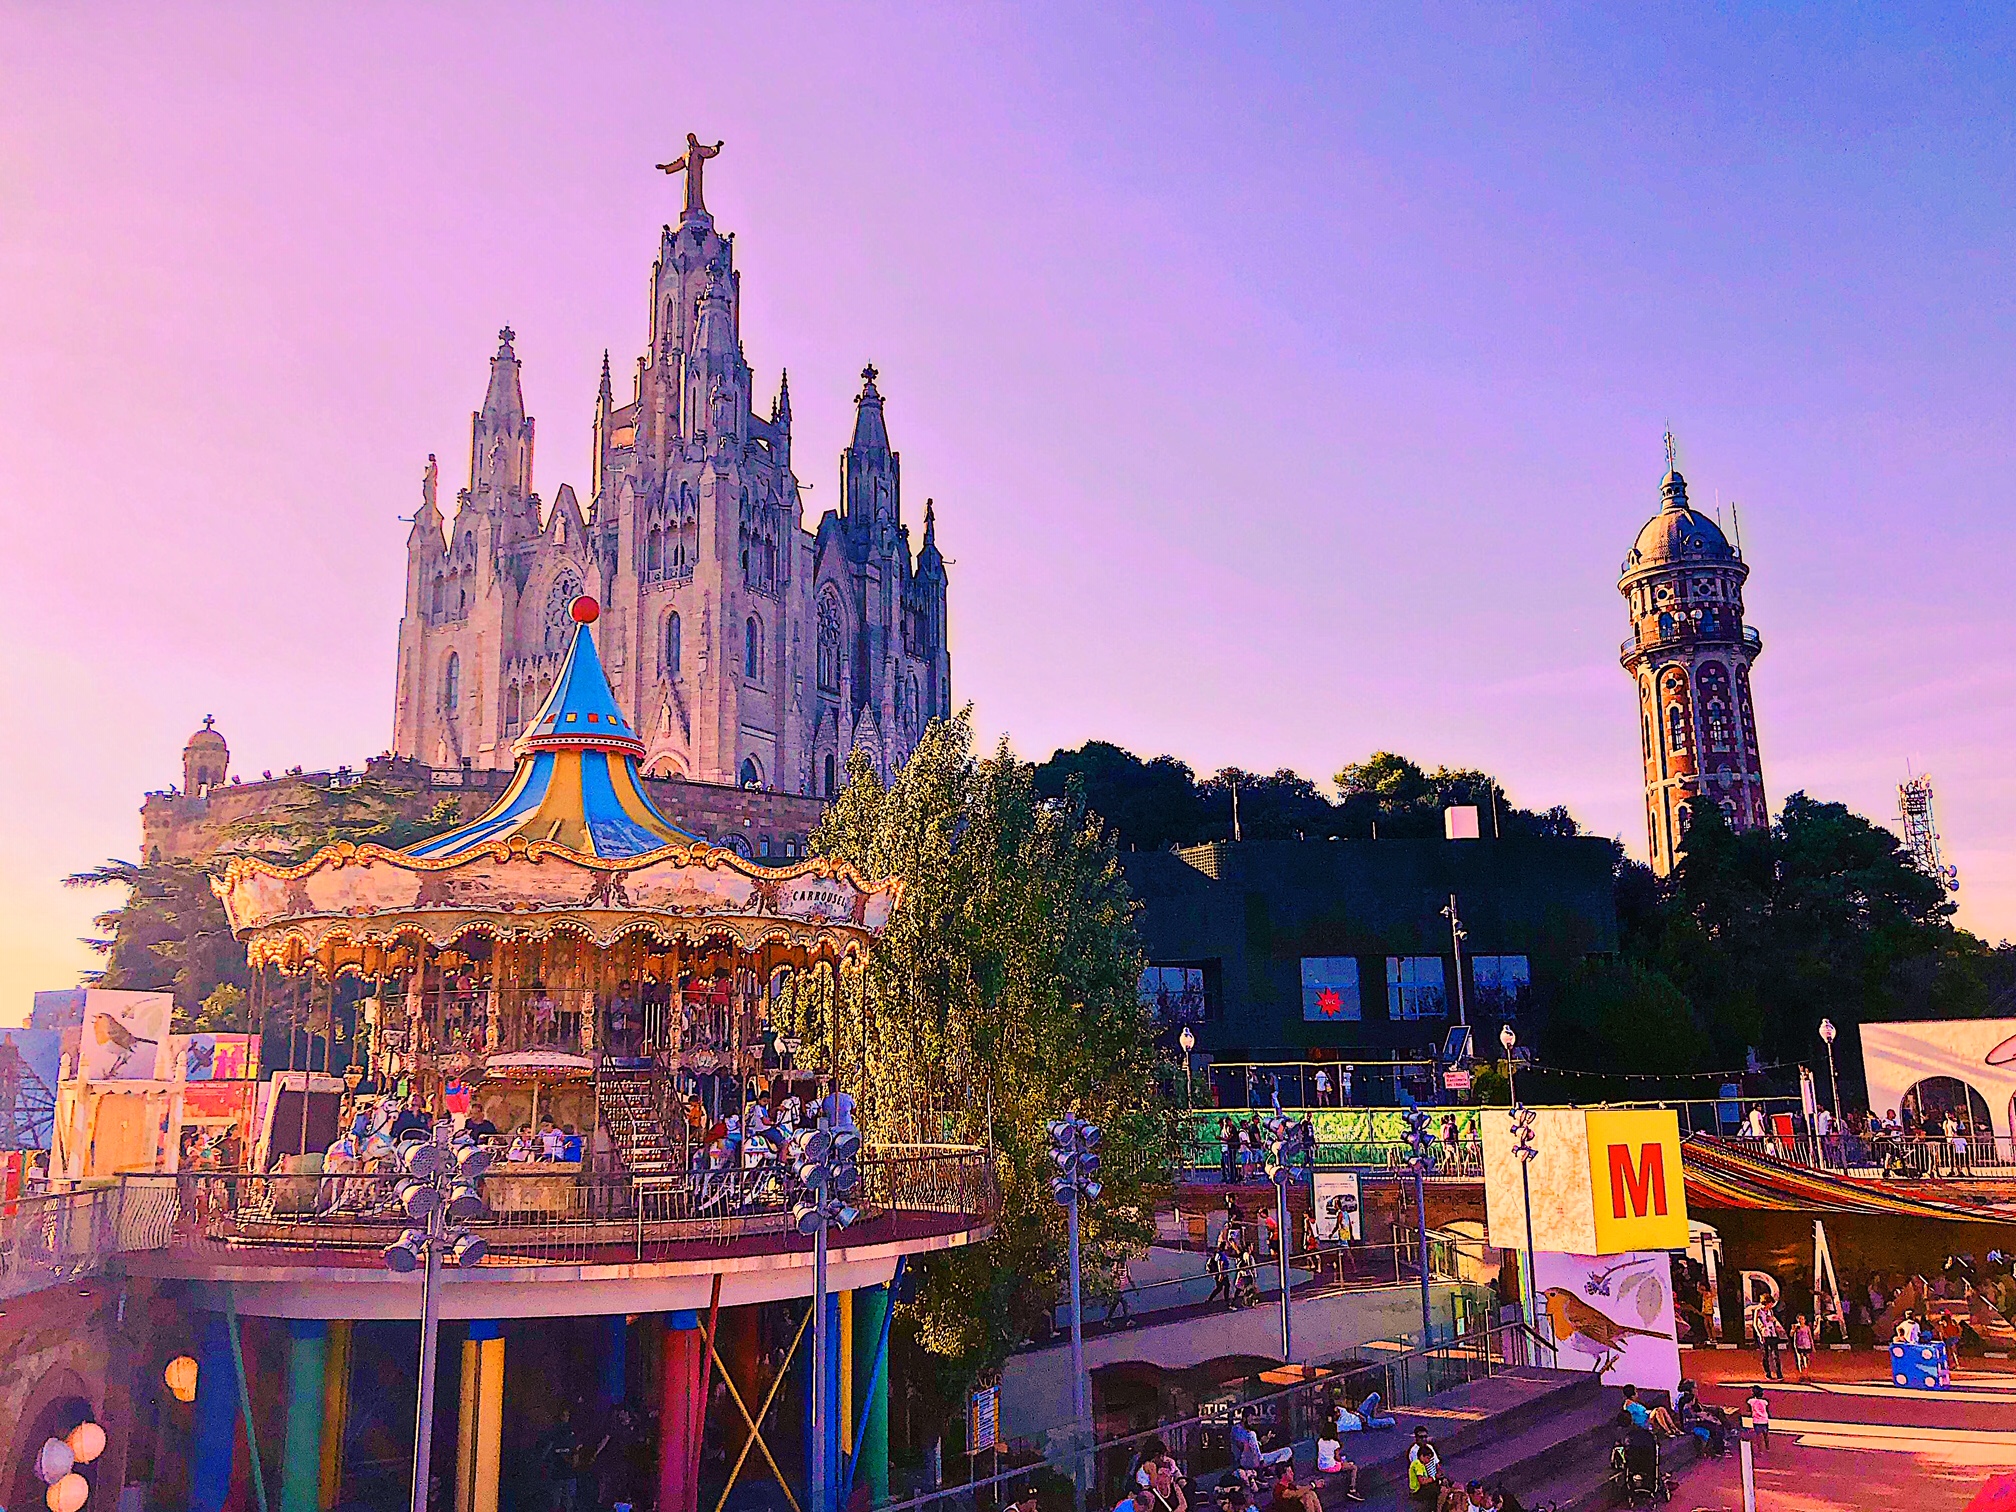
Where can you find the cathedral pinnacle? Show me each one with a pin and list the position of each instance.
(693, 164)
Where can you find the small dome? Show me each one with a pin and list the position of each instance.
(1678, 533)
(206, 738)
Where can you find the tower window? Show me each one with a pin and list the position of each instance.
(829, 642)
(451, 684)
(672, 647)
(752, 774)
(511, 707)
(829, 774)
(1676, 728)
(654, 553)
(752, 650)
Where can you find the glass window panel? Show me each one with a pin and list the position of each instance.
(1414, 987)
(1329, 988)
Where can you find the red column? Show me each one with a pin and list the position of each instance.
(681, 1414)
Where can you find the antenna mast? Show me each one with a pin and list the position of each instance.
(1921, 832)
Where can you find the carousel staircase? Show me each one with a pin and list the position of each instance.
(627, 1102)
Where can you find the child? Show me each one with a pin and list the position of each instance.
(1760, 1418)
(1802, 1345)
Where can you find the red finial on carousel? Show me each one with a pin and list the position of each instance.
(585, 610)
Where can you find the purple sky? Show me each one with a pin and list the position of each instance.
(1289, 388)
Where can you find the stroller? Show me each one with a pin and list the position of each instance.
(1635, 1472)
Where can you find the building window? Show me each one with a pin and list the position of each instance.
(763, 846)
(1503, 983)
(829, 642)
(752, 774)
(752, 650)
(1414, 988)
(1174, 994)
(1676, 728)
(511, 707)
(1329, 989)
(451, 684)
(829, 774)
(672, 644)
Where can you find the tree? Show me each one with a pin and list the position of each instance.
(365, 811)
(1404, 802)
(1005, 987)
(170, 934)
(1150, 804)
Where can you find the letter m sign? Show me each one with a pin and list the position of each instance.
(1640, 1182)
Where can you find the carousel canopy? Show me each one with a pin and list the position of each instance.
(577, 783)
(574, 845)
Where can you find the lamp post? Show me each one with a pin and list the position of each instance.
(441, 1189)
(1422, 1144)
(827, 1165)
(1074, 1148)
(1288, 1143)
(1457, 935)
(1833, 1079)
(1188, 1041)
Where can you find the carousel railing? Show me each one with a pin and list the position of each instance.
(580, 1217)
(480, 1020)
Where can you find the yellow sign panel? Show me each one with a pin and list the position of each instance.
(1635, 1181)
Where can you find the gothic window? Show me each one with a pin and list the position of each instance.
(829, 774)
(1718, 725)
(439, 589)
(752, 650)
(545, 692)
(1676, 726)
(1647, 721)
(752, 774)
(654, 552)
(451, 684)
(829, 645)
(511, 707)
(916, 706)
(672, 647)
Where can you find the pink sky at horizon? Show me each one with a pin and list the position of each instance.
(1289, 388)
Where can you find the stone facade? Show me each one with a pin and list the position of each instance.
(1690, 655)
(191, 824)
(747, 649)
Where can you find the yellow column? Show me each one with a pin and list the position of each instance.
(489, 1421)
(335, 1414)
(846, 1373)
(465, 1428)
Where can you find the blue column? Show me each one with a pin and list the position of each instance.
(301, 1463)
(615, 1367)
(215, 1437)
(831, 1386)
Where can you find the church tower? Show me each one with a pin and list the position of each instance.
(1690, 655)
(746, 649)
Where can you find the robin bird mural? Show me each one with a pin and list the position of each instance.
(1586, 1331)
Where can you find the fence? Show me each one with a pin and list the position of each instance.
(1201, 1443)
(1899, 1157)
(1203, 1157)
(564, 1219)
(56, 1237)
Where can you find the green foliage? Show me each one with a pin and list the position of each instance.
(222, 1012)
(1160, 802)
(367, 811)
(1004, 989)
(1763, 934)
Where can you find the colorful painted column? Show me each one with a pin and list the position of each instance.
(831, 1387)
(335, 1413)
(613, 1383)
(214, 1442)
(681, 1413)
(301, 1461)
(871, 1344)
(489, 1340)
(465, 1425)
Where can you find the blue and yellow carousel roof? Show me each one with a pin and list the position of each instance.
(577, 783)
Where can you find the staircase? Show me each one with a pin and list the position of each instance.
(627, 1104)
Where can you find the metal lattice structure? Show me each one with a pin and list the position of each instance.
(1921, 832)
(27, 1105)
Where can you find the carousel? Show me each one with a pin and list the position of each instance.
(569, 961)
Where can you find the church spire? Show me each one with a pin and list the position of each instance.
(780, 412)
(870, 434)
(504, 405)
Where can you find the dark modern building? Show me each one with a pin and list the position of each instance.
(1317, 950)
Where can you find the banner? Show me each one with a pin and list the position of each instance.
(1612, 1314)
(124, 1035)
(211, 1057)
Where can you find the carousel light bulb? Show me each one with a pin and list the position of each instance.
(86, 1441)
(68, 1494)
(180, 1378)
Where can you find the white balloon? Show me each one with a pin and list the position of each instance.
(55, 1461)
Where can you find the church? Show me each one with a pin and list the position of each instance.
(744, 648)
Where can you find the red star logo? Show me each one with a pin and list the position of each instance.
(1330, 1001)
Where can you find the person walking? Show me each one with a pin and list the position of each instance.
(1802, 1345)
(1770, 1340)
(1760, 1418)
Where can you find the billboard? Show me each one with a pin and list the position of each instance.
(124, 1035)
(1612, 1314)
(210, 1057)
(1340, 1216)
(1601, 1182)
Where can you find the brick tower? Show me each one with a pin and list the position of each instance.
(1690, 654)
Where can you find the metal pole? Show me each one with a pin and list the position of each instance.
(1834, 1081)
(1281, 1214)
(821, 1425)
(1421, 1211)
(1081, 1404)
(1456, 944)
(423, 1430)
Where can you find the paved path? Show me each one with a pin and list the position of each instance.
(1853, 1440)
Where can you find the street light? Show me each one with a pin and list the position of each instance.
(1289, 1144)
(1189, 1042)
(1074, 1149)
(1457, 935)
(1833, 1079)
(827, 1165)
(1422, 1143)
(441, 1189)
